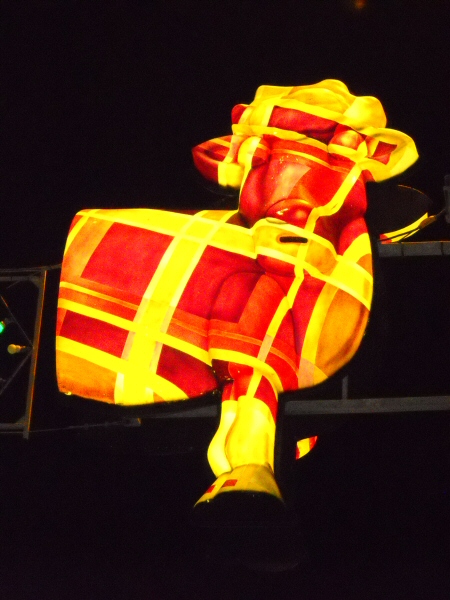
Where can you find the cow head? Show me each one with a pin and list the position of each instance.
(301, 157)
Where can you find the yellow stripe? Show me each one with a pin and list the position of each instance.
(328, 209)
(247, 112)
(267, 342)
(244, 250)
(88, 292)
(282, 309)
(358, 248)
(358, 285)
(93, 355)
(164, 388)
(346, 271)
(160, 300)
(77, 228)
(278, 317)
(277, 254)
(229, 174)
(183, 346)
(347, 279)
(229, 237)
(248, 130)
(160, 221)
(176, 276)
(313, 109)
(309, 374)
(95, 313)
(220, 142)
(154, 308)
(336, 202)
(229, 171)
(354, 270)
(234, 238)
(316, 322)
(153, 334)
(268, 109)
(245, 155)
(293, 290)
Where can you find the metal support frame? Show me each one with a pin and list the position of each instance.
(407, 249)
(292, 409)
(359, 406)
(37, 276)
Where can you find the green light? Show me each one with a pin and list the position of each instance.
(3, 324)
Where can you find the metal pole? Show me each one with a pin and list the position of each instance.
(40, 281)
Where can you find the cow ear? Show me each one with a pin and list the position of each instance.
(216, 160)
(389, 152)
(393, 209)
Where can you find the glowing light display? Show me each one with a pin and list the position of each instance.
(160, 306)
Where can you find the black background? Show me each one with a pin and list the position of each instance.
(101, 104)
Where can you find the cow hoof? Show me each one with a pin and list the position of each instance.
(248, 495)
(241, 509)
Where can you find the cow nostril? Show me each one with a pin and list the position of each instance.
(291, 239)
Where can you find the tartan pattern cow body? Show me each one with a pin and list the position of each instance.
(161, 306)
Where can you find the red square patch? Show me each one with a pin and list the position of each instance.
(230, 483)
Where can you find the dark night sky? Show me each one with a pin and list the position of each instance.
(101, 104)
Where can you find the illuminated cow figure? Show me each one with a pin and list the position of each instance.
(159, 306)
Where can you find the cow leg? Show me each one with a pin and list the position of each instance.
(217, 456)
(249, 313)
(244, 445)
(251, 438)
(245, 434)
